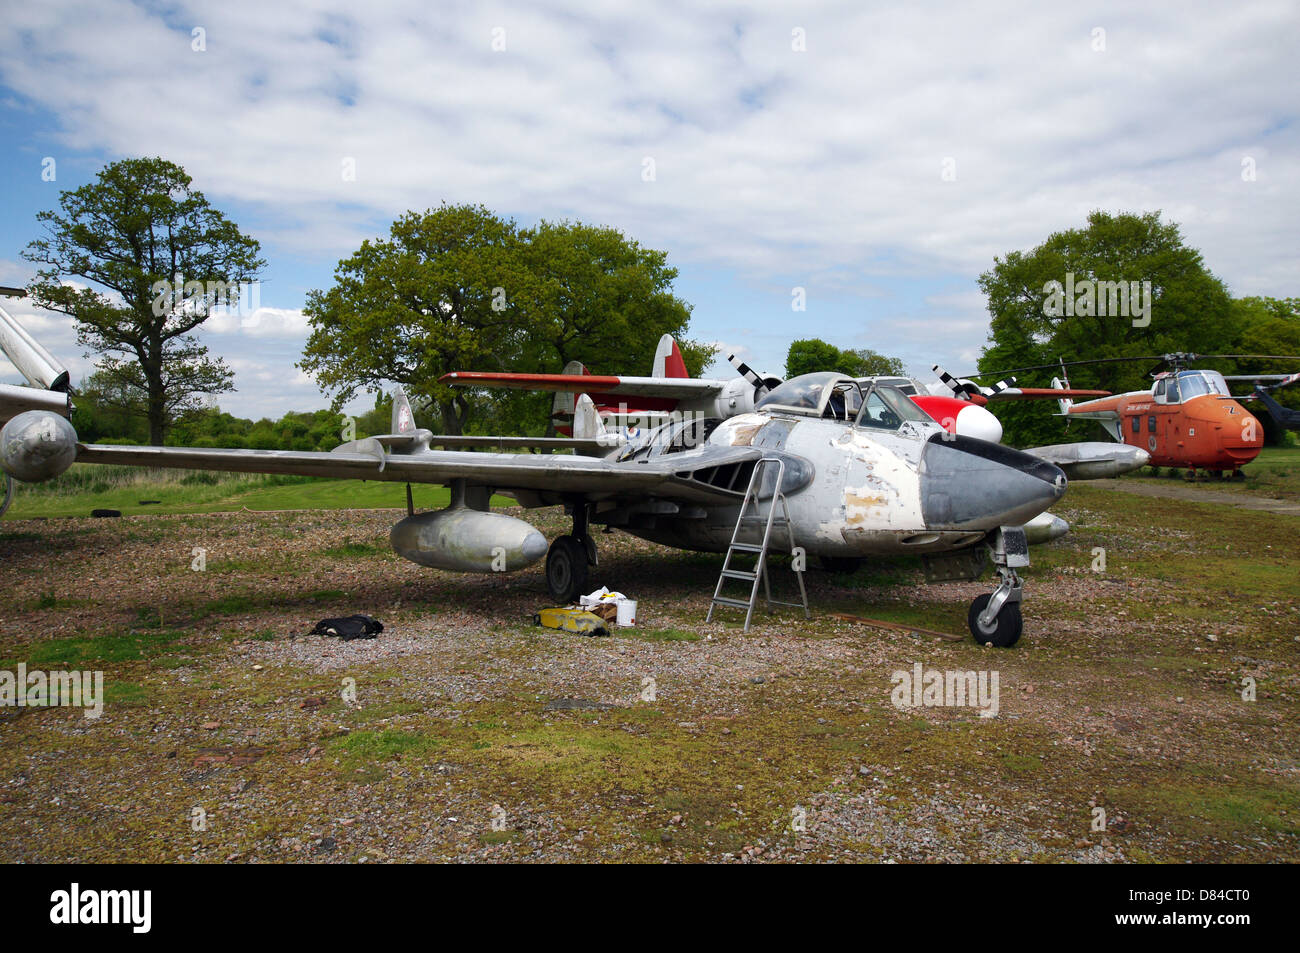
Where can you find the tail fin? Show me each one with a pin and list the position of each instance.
(403, 420)
(668, 359)
(587, 424)
(1065, 402)
(562, 405)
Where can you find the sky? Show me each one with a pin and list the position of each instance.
(876, 156)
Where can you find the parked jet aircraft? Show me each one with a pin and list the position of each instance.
(866, 473)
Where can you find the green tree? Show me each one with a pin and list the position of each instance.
(158, 257)
(588, 294)
(458, 288)
(429, 299)
(1190, 309)
(810, 355)
(867, 363)
(1266, 326)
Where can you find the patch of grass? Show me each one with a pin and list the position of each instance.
(370, 746)
(88, 486)
(126, 694)
(48, 600)
(1022, 764)
(1274, 473)
(326, 595)
(230, 605)
(1227, 808)
(130, 646)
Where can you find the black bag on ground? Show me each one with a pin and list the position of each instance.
(350, 627)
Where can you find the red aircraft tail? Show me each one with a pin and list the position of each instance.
(668, 359)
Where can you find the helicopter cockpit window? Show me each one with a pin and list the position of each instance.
(1172, 394)
(1199, 383)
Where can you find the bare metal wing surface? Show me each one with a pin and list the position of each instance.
(18, 400)
(685, 477)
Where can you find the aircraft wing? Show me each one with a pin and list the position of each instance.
(670, 387)
(698, 476)
(16, 400)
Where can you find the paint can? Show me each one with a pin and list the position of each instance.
(627, 612)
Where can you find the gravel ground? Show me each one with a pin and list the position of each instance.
(464, 733)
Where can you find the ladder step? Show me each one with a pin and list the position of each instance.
(738, 603)
(739, 574)
(776, 520)
(747, 547)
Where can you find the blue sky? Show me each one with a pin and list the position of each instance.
(878, 158)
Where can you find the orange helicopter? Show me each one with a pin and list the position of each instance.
(1189, 418)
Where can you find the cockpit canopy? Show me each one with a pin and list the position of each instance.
(836, 397)
(1183, 386)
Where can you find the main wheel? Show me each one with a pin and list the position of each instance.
(566, 569)
(1006, 628)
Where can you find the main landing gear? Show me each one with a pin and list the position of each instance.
(569, 558)
(994, 618)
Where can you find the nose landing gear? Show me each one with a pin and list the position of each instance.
(994, 618)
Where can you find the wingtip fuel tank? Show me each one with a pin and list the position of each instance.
(37, 445)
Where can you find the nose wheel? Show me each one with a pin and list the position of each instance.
(994, 618)
(1000, 628)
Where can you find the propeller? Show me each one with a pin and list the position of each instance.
(967, 389)
(761, 385)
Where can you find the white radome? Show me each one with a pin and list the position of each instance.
(975, 421)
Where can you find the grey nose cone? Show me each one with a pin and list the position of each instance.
(37, 445)
(973, 484)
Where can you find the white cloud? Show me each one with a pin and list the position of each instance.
(286, 323)
(820, 168)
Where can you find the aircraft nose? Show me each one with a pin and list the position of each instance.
(974, 484)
